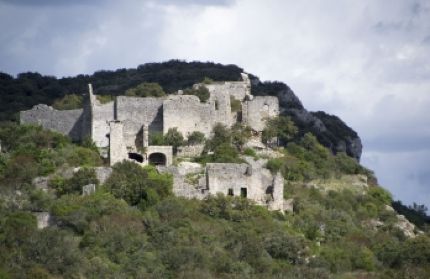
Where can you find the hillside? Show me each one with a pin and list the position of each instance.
(335, 228)
(66, 213)
(29, 89)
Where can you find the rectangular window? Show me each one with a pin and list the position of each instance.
(230, 192)
(243, 192)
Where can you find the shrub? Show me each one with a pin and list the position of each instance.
(380, 195)
(174, 138)
(281, 127)
(71, 101)
(281, 245)
(104, 99)
(196, 137)
(137, 185)
(240, 134)
(221, 135)
(201, 92)
(274, 165)
(250, 152)
(74, 185)
(156, 138)
(146, 89)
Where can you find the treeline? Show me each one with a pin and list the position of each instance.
(29, 89)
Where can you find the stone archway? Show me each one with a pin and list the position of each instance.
(157, 159)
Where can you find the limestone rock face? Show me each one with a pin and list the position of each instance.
(405, 226)
(330, 130)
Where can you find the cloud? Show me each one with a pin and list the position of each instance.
(44, 3)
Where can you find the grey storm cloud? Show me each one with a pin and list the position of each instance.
(365, 61)
(42, 3)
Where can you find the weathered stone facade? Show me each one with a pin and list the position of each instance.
(67, 122)
(250, 180)
(120, 128)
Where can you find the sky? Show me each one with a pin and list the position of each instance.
(367, 61)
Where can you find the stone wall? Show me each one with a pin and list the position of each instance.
(237, 89)
(117, 148)
(224, 176)
(189, 151)
(101, 115)
(259, 109)
(188, 114)
(222, 103)
(135, 112)
(66, 122)
(188, 180)
(261, 186)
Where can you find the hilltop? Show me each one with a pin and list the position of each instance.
(275, 196)
(29, 89)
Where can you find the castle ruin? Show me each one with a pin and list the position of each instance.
(121, 129)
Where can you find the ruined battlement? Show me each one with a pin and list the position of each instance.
(120, 128)
(67, 122)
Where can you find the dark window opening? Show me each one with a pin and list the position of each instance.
(216, 105)
(157, 159)
(230, 192)
(239, 117)
(269, 190)
(135, 156)
(243, 192)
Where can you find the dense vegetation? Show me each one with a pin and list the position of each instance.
(132, 227)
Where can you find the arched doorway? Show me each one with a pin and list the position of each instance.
(136, 156)
(157, 159)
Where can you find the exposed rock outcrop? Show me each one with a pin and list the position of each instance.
(330, 130)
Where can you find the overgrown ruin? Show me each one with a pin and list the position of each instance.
(121, 129)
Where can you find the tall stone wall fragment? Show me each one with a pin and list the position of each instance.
(117, 148)
(187, 114)
(259, 109)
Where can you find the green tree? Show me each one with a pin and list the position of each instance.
(146, 89)
(201, 92)
(281, 127)
(138, 186)
(73, 185)
(156, 138)
(71, 101)
(196, 137)
(174, 138)
(221, 135)
(240, 134)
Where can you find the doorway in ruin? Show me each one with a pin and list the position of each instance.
(243, 192)
(157, 159)
(136, 156)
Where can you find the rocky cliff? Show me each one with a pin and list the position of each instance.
(330, 130)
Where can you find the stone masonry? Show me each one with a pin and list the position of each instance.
(120, 128)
